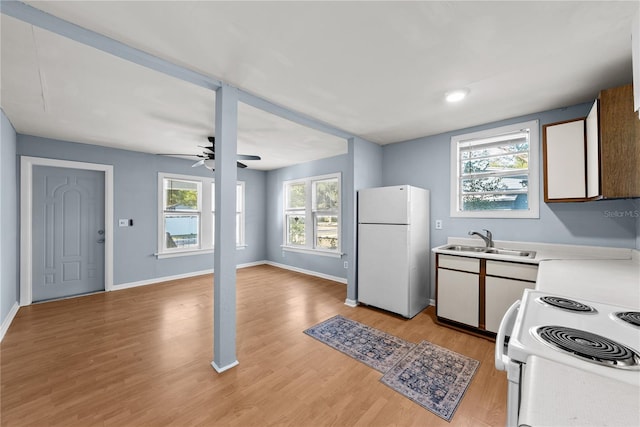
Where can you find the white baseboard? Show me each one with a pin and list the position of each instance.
(308, 272)
(160, 279)
(251, 264)
(8, 320)
(178, 276)
(224, 368)
(350, 302)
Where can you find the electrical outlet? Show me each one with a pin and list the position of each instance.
(346, 264)
(438, 224)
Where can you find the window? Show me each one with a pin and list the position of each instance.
(312, 214)
(494, 173)
(181, 213)
(239, 212)
(184, 227)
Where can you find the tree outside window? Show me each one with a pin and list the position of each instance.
(312, 213)
(494, 172)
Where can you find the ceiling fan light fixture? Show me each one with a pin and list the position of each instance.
(456, 95)
(210, 164)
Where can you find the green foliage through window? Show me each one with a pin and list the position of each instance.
(494, 174)
(317, 199)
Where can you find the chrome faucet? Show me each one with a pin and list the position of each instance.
(488, 239)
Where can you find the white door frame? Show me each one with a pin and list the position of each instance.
(26, 221)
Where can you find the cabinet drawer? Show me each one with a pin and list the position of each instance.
(459, 263)
(512, 270)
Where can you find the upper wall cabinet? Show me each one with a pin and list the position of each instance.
(596, 157)
(564, 154)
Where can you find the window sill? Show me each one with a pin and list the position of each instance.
(189, 252)
(524, 214)
(320, 252)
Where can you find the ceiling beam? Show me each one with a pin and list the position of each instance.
(285, 113)
(39, 18)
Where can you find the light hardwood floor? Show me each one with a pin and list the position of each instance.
(141, 357)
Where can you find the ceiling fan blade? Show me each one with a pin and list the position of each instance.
(211, 150)
(198, 163)
(248, 157)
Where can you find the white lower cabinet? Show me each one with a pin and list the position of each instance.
(458, 294)
(500, 294)
(477, 292)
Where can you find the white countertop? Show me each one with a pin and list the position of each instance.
(610, 281)
(608, 275)
(544, 251)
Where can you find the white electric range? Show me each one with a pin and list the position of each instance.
(558, 343)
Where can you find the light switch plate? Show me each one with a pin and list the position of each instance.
(123, 223)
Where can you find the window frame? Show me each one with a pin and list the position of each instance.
(533, 171)
(206, 224)
(310, 213)
(240, 214)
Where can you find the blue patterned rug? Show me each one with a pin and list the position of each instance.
(434, 377)
(370, 346)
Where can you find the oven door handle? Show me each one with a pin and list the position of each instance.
(502, 360)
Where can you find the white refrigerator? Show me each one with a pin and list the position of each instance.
(393, 248)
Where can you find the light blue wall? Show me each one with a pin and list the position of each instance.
(366, 163)
(9, 243)
(425, 162)
(274, 230)
(135, 197)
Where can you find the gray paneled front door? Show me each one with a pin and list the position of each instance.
(68, 232)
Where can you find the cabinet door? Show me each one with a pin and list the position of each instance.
(564, 161)
(458, 296)
(619, 144)
(593, 152)
(500, 294)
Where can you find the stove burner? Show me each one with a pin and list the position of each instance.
(589, 346)
(567, 304)
(631, 317)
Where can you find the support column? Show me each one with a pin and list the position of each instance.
(349, 212)
(224, 288)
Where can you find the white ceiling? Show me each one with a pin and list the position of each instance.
(378, 70)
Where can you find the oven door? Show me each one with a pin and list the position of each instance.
(556, 394)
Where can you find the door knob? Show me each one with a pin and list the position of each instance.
(101, 232)
(100, 240)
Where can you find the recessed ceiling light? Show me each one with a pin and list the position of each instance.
(456, 95)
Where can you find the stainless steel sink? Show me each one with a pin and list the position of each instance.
(462, 248)
(510, 252)
(496, 251)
